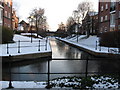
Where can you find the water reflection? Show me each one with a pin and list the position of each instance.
(59, 50)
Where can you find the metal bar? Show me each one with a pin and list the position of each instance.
(39, 46)
(7, 49)
(10, 82)
(19, 46)
(46, 44)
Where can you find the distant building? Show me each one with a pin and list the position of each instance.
(7, 13)
(109, 16)
(90, 23)
(1, 14)
(23, 26)
(15, 20)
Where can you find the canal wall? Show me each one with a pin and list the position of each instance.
(26, 57)
(97, 54)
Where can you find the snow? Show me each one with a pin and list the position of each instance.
(89, 43)
(26, 47)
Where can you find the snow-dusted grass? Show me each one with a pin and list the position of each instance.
(90, 44)
(26, 47)
(103, 81)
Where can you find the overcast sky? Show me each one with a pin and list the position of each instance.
(57, 11)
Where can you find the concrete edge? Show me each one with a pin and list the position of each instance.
(97, 54)
(26, 57)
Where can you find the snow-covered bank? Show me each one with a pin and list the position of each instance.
(90, 45)
(26, 47)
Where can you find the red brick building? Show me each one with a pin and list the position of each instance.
(15, 20)
(7, 13)
(90, 23)
(109, 16)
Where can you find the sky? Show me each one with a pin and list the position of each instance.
(56, 11)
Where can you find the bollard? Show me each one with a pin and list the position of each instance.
(39, 46)
(10, 82)
(19, 46)
(7, 49)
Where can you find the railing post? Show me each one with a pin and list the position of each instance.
(39, 46)
(46, 43)
(19, 46)
(96, 46)
(7, 49)
(99, 48)
(48, 82)
(10, 82)
(108, 49)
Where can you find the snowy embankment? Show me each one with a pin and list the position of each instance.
(89, 44)
(25, 46)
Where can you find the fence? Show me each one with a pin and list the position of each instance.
(21, 44)
(49, 73)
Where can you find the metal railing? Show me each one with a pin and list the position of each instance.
(18, 46)
(86, 73)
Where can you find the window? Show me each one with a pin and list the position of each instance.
(112, 7)
(5, 13)
(9, 15)
(112, 19)
(101, 19)
(119, 14)
(101, 8)
(106, 6)
(106, 17)
(118, 27)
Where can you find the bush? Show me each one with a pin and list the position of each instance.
(110, 39)
(7, 35)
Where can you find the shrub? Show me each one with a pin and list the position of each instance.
(7, 35)
(110, 39)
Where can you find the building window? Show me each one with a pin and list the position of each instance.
(5, 13)
(106, 17)
(9, 15)
(119, 14)
(106, 6)
(112, 7)
(118, 27)
(101, 19)
(101, 8)
(112, 19)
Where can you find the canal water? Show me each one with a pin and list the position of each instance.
(62, 51)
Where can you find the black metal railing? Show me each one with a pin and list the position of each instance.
(19, 45)
(48, 73)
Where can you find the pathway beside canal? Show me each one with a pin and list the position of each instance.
(91, 45)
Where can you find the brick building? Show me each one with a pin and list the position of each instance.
(90, 23)
(1, 14)
(109, 16)
(15, 20)
(7, 13)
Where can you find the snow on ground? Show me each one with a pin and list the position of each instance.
(89, 43)
(26, 47)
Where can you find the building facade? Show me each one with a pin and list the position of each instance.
(15, 20)
(90, 23)
(7, 13)
(109, 16)
(1, 14)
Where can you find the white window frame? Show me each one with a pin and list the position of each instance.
(6, 14)
(106, 6)
(102, 8)
(9, 15)
(101, 19)
(106, 17)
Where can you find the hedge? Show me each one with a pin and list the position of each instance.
(110, 39)
(7, 35)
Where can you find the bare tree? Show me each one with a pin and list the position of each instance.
(83, 8)
(38, 16)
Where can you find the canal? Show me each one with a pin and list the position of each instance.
(62, 51)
